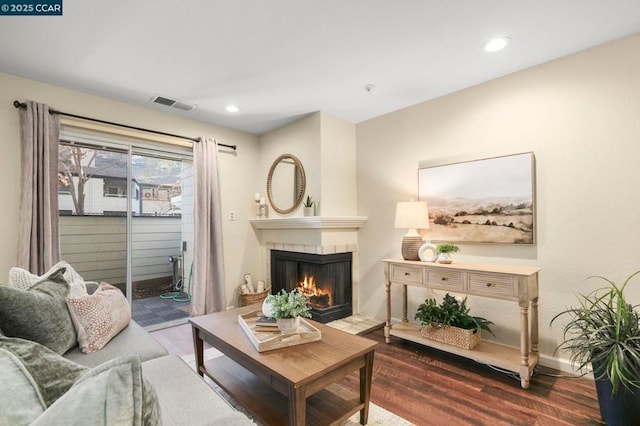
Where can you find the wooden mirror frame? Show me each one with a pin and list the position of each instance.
(300, 191)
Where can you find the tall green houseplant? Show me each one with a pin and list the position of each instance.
(604, 331)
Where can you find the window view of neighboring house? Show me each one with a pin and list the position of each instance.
(94, 182)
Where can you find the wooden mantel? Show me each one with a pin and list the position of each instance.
(311, 222)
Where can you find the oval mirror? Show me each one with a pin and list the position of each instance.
(286, 184)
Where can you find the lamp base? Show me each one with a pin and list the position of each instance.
(410, 247)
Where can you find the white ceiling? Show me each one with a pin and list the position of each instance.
(281, 59)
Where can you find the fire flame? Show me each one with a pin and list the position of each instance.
(317, 296)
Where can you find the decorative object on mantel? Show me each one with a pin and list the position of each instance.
(451, 323)
(444, 251)
(256, 198)
(287, 308)
(603, 331)
(427, 252)
(262, 210)
(412, 215)
(286, 184)
(309, 206)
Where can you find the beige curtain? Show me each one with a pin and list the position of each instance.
(208, 287)
(38, 237)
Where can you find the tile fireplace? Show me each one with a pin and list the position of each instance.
(325, 278)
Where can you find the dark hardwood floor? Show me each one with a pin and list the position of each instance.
(429, 387)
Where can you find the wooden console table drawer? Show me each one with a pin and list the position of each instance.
(407, 274)
(500, 286)
(517, 284)
(446, 280)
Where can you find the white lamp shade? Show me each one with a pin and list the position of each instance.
(412, 215)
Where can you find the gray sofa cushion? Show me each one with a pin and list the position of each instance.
(52, 374)
(113, 393)
(39, 313)
(180, 390)
(132, 340)
(20, 400)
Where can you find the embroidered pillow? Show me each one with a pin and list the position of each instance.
(39, 314)
(99, 317)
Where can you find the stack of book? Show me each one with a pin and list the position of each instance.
(266, 324)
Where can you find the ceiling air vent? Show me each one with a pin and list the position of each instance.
(172, 103)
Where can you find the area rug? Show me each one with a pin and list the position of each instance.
(378, 416)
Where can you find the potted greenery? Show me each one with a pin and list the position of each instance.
(287, 308)
(308, 206)
(450, 322)
(604, 331)
(444, 252)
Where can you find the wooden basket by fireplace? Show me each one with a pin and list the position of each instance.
(253, 298)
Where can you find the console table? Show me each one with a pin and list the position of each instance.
(508, 282)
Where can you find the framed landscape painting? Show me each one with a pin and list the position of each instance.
(481, 201)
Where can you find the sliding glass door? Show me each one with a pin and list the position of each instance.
(126, 219)
(159, 268)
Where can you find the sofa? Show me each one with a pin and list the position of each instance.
(130, 379)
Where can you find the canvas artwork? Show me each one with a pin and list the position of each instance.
(482, 201)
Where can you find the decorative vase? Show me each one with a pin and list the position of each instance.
(427, 252)
(445, 258)
(267, 308)
(621, 408)
(288, 325)
(309, 211)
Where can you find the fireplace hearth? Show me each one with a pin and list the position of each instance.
(325, 279)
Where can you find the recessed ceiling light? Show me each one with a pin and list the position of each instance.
(496, 44)
(232, 108)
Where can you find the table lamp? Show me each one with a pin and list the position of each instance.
(413, 215)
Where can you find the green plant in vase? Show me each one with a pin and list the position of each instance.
(287, 308)
(308, 202)
(604, 331)
(444, 252)
(450, 312)
(308, 206)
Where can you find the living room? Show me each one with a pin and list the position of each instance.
(578, 114)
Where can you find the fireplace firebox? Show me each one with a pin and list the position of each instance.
(324, 279)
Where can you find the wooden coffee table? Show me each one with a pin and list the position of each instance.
(293, 385)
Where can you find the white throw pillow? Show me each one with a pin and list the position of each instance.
(23, 279)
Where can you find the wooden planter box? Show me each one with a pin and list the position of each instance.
(459, 337)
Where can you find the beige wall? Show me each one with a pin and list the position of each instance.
(580, 115)
(326, 147)
(337, 169)
(301, 139)
(238, 172)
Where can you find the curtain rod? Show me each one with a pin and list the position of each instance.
(19, 104)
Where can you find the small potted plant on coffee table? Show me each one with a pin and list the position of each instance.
(444, 252)
(451, 323)
(287, 308)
